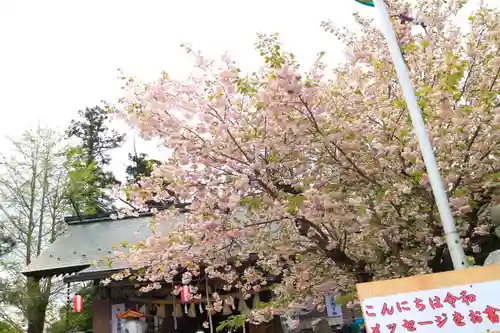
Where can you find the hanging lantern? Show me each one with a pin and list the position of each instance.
(185, 294)
(78, 303)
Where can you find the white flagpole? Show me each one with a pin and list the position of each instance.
(452, 237)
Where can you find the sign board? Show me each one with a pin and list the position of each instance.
(332, 308)
(116, 323)
(462, 301)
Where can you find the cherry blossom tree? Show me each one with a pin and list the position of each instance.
(313, 180)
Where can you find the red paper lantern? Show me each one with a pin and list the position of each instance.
(78, 303)
(185, 291)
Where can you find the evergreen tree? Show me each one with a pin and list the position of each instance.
(141, 167)
(86, 161)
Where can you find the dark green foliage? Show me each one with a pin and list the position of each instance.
(140, 167)
(7, 328)
(86, 161)
(94, 134)
(71, 321)
(7, 243)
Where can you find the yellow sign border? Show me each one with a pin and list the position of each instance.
(428, 282)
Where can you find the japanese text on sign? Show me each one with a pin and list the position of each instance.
(466, 308)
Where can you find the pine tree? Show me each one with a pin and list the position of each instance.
(141, 167)
(86, 161)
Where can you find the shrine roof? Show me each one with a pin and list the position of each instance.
(130, 314)
(88, 241)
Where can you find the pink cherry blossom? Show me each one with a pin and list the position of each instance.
(309, 181)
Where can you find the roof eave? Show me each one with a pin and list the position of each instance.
(90, 276)
(39, 274)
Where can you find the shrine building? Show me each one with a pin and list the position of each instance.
(82, 254)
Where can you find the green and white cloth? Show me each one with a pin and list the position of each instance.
(366, 2)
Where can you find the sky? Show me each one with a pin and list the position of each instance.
(59, 56)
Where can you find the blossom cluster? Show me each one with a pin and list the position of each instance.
(306, 182)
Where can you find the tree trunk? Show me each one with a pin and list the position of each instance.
(37, 302)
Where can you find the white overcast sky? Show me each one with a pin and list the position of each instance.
(59, 56)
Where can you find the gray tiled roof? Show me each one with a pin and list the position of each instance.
(84, 243)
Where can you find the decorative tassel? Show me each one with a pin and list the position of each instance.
(226, 310)
(186, 310)
(256, 301)
(242, 306)
(201, 307)
(178, 311)
(192, 311)
(230, 302)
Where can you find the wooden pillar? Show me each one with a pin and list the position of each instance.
(168, 322)
(101, 312)
(277, 327)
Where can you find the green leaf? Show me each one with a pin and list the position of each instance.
(251, 203)
(425, 43)
(273, 157)
(403, 132)
(461, 192)
(232, 322)
(346, 298)
(294, 202)
(422, 103)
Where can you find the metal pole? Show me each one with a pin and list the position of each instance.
(452, 237)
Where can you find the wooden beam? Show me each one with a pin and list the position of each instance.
(160, 301)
